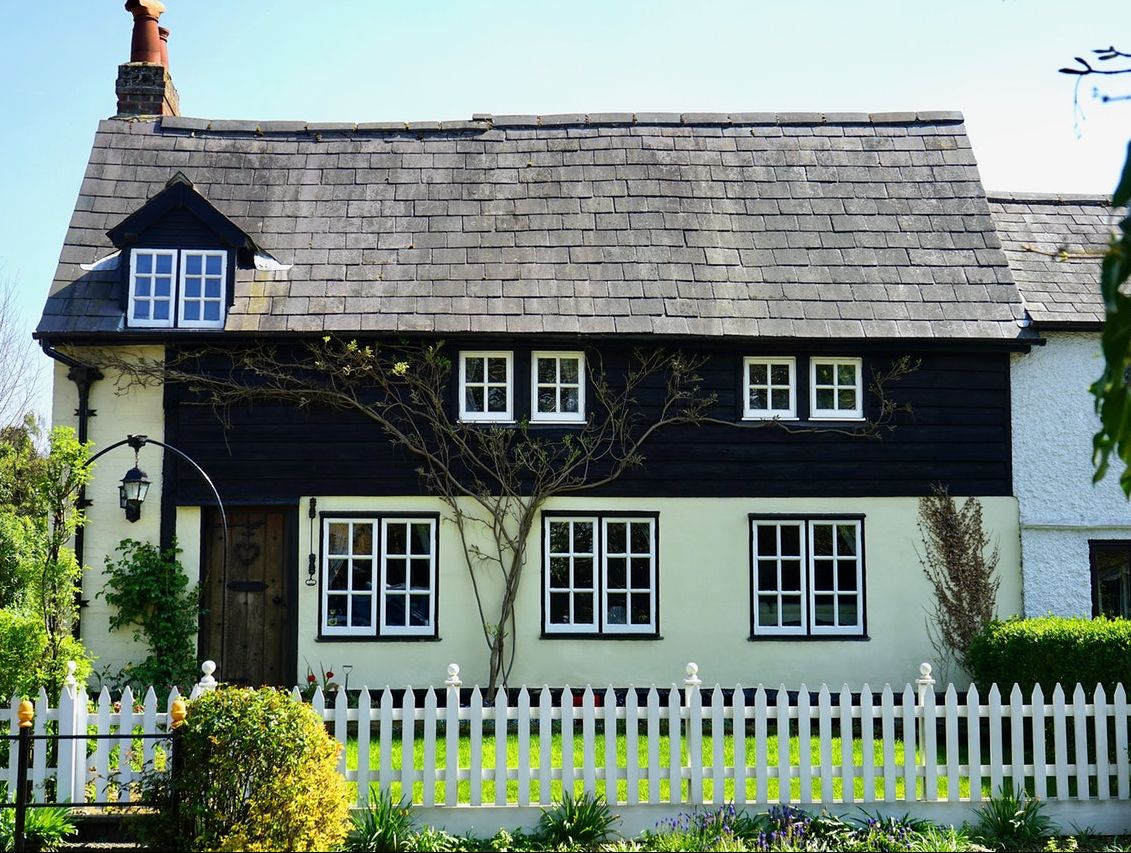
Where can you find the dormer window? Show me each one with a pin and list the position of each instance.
(185, 288)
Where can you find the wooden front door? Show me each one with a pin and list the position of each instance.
(245, 628)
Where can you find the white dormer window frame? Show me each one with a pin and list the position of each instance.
(484, 383)
(178, 289)
(559, 386)
(769, 385)
(838, 386)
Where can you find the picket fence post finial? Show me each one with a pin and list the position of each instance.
(453, 679)
(70, 681)
(26, 714)
(926, 684)
(207, 682)
(693, 679)
(178, 712)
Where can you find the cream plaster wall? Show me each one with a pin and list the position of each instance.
(139, 412)
(704, 585)
(1053, 423)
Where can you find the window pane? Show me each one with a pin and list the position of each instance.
(141, 311)
(547, 400)
(767, 539)
(422, 538)
(825, 398)
(336, 613)
(361, 611)
(394, 574)
(496, 399)
(791, 540)
(823, 574)
(473, 369)
(473, 399)
(338, 577)
(616, 537)
(569, 370)
(212, 288)
(418, 612)
(791, 611)
(212, 311)
(192, 311)
(846, 575)
(362, 575)
(583, 537)
(144, 263)
(570, 400)
(846, 540)
(162, 287)
(825, 610)
(339, 537)
(396, 539)
(496, 370)
(559, 537)
(847, 613)
(641, 609)
(846, 374)
(824, 373)
(192, 264)
(618, 609)
(779, 374)
(583, 573)
(559, 572)
(758, 399)
(757, 374)
(395, 610)
(363, 539)
(547, 370)
(559, 608)
(641, 538)
(421, 574)
(822, 539)
(141, 288)
(215, 265)
(617, 573)
(583, 608)
(846, 399)
(160, 310)
(791, 574)
(780, 400)
(641, 573)
(767, 574)
(768, 610)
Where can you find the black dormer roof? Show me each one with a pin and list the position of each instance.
(180, 195)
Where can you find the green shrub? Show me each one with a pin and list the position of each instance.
(24, 666)
(384, 825)
(582, 822)
(1013, 821)
(259, 772)
(1052, 649)
(44, 828)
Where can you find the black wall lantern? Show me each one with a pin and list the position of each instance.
(135, 485)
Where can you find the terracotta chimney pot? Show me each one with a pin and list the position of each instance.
(164, 34)
(145, 46)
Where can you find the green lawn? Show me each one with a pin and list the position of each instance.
(728, 793)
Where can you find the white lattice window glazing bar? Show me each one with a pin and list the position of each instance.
(836, 389)
(571, 575)
(628, 571)
(769, 388)
(780, 596)
(557, 383)
(202, 289)
(836, 587)
(486, 386)
(152, 287)
(349, 549)
(408, 576)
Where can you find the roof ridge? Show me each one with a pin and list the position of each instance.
(1049, 198)
(486, 121)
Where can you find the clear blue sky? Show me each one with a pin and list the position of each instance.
(365, 60)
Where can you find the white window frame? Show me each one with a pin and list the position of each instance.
(378, 627)
(557, 417)
(429, 629)
(769, 413)
(349, 630)
(572, 627)
(204, 254)
(177, 290)
(803, 540)
(151, 323)
(600, 626)
(855, 414)
(809, 592)
(835, 630)
(486, 417)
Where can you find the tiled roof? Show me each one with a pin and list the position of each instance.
(1053, 243)
(759, 225)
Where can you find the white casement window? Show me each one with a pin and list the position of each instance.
(557, 383)
(184, 288)
(379, 576)
(769, 388)
(599, 575)
(807, 577)
(836, 388)
(486, 386)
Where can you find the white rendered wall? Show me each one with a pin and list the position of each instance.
(1053, 424)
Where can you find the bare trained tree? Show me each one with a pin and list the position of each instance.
(19, 370)
(493, 479)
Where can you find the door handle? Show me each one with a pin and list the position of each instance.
(277, 600)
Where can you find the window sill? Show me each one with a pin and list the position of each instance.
(615, 637)
(353, 638)
(488, 421)
(855, 419)
(808, 638)
(769, 418)
(557, 423)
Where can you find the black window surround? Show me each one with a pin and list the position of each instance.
(1110, 571)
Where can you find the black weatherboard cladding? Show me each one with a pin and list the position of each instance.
(957, 434)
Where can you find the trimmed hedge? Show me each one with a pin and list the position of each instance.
(1051, 650)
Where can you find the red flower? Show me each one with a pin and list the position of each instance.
(329, 673)
(310, 679)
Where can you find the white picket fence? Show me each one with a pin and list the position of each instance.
(667, 750)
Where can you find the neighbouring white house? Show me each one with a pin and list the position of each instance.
(1075, 534)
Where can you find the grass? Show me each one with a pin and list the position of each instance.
(774, 792)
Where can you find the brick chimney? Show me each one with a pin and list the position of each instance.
(144, 86)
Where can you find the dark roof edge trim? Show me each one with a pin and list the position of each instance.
(1067, 325)
(1049, 198)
